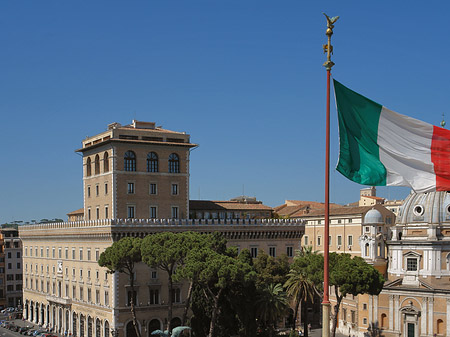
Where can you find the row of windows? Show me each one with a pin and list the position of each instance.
(153, 212)
(130, 162)
(9, 255)
(66, 253)
(272, 251)
(153, 188)
(97, 164)
(306, 241)
(97, 190)
(35, 270)
(83, 294)
(154, 297)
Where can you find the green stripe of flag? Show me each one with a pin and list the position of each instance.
(358, 117)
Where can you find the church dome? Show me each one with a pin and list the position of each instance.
(430, 207)
(373, 217)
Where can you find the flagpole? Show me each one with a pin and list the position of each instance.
(326, 306)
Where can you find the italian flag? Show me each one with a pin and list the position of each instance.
(379, 147)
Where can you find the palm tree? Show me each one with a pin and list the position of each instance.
(300, 288)
(271, 305)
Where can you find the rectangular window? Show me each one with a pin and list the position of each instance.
(106, 212)
(89, 255)
(153, 212)
(367, 229)
(176, 295)
(411, 264)
(97, 212)
(74, 292)
(89, 214)
(290, 251)
(59, 253)
(130, 212)
(106, 297)
(66, 253)
(174, 212)
(130, 189)
(89, 191)
(272, 251)
(339, 240)
(89, 295)
(97, 255)
(97, 296)
(364, 306)
(174, 189)
(106, 188)
(305, 240)
(96, 190)
(319, 239)
(329, 240)
(81, 254)
(154, 274)
(254, 251)
(350, 240)
(81, 293)
(53, 252)
(153, 189)
(73, 253)
(154, 296)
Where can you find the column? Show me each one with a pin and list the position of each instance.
(430, 315)
(448, 316)
(375, 310)
(371, 320)
(423, 318)
(396, 313)
(391, 312)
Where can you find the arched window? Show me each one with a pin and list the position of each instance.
(130, 161)
(367, 250)
(383, 320)
(152, 162)
(106, 329)
(154, 325)
(97, 164)
(131, 331)
(440, 327)
(88, 167)
(105, 162)
(174, 163)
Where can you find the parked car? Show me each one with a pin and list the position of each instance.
(24, 329)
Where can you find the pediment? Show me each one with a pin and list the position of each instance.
(412, 254)
(398, 283)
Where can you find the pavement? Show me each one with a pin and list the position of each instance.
(318, 333)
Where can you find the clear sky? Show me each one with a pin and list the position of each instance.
(243, 77)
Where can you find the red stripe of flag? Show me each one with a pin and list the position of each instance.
(440, 156)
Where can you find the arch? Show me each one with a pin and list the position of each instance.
(98, 328)
(82, 321)
(383, 320)
(97, 164)
(130, 331)
(176, 321)
(60, 320)
(152, 162)
(174, 163)
(129, 161)
(74, 324)
(42, 314)
(106, 329)
(36, 308)
(440, 329)
(90, 327)
(67, 325)
(153, 325)
(88, 167)
(106, 162)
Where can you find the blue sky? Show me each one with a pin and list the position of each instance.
(243, 78)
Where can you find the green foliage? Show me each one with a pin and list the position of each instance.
(352, 275)
(270, 270)
(122, 255)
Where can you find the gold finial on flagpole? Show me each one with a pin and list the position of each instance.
(328, 48)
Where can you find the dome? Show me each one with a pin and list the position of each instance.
(373, 217)
(430, 207)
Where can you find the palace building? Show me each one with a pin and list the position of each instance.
(136, 183)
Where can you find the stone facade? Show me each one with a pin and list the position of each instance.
(66, 289)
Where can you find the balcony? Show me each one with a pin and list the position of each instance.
(59, 300)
